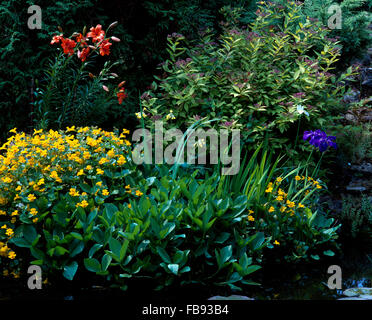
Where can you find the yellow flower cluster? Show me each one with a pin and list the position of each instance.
(280, 197)
(31, 165)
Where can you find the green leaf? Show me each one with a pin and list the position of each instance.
(123, 249)
(92, 265)
(94, 249)
(226, 254)
(163, 254)
(173, 268)
(69, 271)
(77, 236)
(60, 251)
(106, 260)
(115, 247)
(329, 253)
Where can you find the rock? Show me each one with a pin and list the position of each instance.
(352, 298)
(367, 77)
(350, 117)
(352, 97)
(364, 167)
(233, 297)
(356, 188)
(358, 294)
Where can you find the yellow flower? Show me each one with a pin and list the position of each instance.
(35, 220)
(129, 205)
(103, 161)
(127, 186)
(11, 255)
(2, 213)
(54, 175)
(269, 190)
(33, 211)
(298, 178)
(319, 186)
(9, 232)
(100, 171)
(86, 155)
(290, 204)
(271, 209)
(111, 153)
(14, 213)
(250, 211)
(276, 242)
(282, 209)
(250, 218)
(278, 180)
(279, 198)
(300, 205)
(81, 172)
(73, 192)
(82, 204)
(139, 193)
(88, 167)
(99, 183)
(68, 129)
(121, 160)
(31, 197)
(105, 192)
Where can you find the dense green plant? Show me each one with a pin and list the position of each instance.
(356, 17)
(356, 215)
(355, 142)
(267, 81)
(185, 231)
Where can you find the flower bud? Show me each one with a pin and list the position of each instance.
(105, 88)
(60, 29)
(114, 74)
(115, 39)
(84, 31)
(121, 84)
(91, 75)
(114, 24)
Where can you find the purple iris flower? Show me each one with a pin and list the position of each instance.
(320, 140)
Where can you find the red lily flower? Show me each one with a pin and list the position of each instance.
(68, 46)
(105, 47)
(97, 34)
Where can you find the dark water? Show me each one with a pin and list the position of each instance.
(302, 282)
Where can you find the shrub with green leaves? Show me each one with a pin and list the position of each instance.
(267, 81)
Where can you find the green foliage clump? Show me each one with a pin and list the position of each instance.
(356, 17)
(268, 81)
(356, 215)
(286, 208)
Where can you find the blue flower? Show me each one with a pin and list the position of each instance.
(320, 140)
